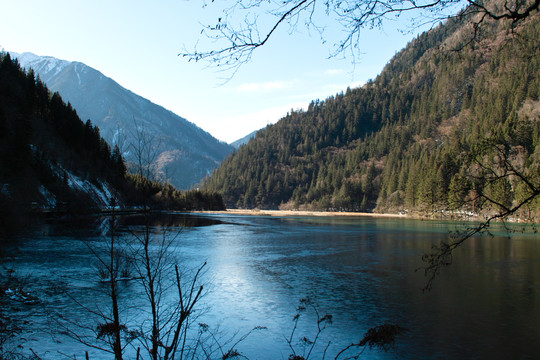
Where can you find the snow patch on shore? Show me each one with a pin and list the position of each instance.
(101, 194)
(50, 198)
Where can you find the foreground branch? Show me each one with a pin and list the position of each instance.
(237, 34)
(491, 163)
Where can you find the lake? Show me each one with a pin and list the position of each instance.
(486, 305)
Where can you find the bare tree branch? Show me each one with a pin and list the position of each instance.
(238, 33)
(493, 162)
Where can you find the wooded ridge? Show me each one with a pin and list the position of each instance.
(414, 140)
(51, 160)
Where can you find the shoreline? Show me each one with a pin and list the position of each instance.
(253, 212)
(298, 213)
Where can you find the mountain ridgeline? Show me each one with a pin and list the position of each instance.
(181, 152)
(402, 142)
(51, 160)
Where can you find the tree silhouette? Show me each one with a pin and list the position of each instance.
(491, 165)
(238, 32)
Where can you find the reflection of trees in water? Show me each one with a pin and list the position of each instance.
(168, 220)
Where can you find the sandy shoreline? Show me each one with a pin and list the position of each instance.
(298, 213)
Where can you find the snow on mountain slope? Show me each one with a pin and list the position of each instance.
(42, 64)
(184, 153)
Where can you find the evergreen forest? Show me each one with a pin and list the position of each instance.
(45, 147)
(427, 135)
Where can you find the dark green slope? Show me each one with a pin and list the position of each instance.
(397, 142)
(184, 152)
(51, 160)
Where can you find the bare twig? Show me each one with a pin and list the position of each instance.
(239, 43)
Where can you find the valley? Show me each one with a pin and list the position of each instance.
(128, 232)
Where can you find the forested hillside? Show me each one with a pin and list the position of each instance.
(183, 152)
(51, 160)
(408, 140)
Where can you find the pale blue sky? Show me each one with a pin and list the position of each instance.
(137, 42)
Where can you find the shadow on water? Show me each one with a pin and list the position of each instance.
(169, 220)
(94, 225)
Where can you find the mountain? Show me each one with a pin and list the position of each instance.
(236, 144)
(49, 158)
(52, 161)
(181, 152)
(421, 137)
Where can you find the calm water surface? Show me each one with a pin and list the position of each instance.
(360, 270)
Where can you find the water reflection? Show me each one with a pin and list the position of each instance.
(486, 305)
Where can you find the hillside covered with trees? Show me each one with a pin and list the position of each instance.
(447, 120)
(51, 160)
